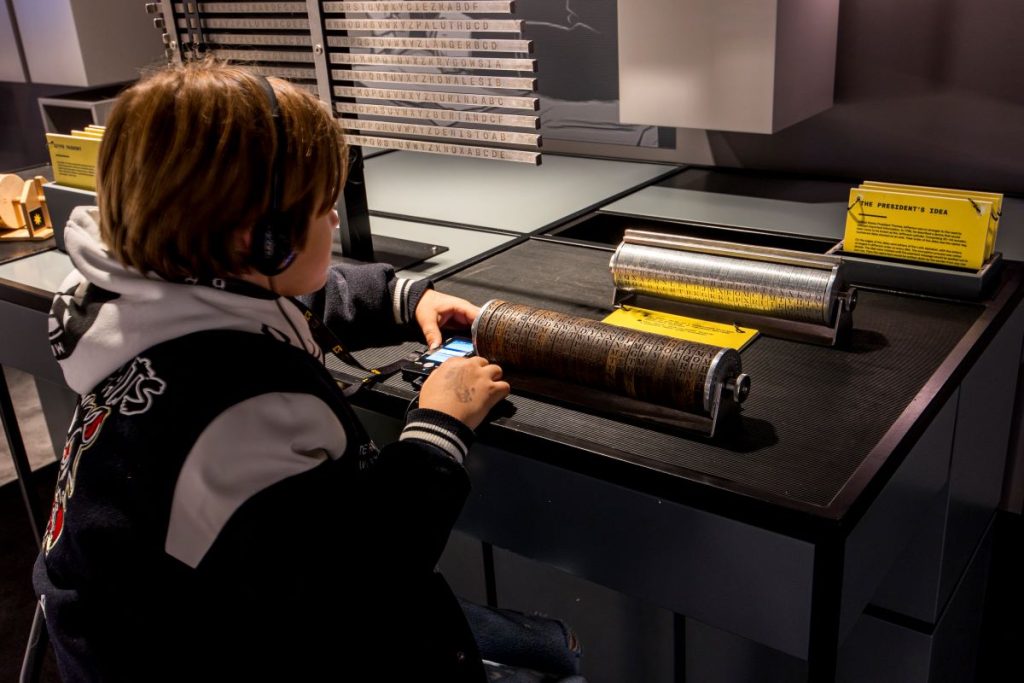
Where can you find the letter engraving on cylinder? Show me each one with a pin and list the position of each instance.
(775, 289)
(647, 367)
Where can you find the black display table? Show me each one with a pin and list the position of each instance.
(781, 528)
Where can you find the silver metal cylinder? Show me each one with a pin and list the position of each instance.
(782, 290)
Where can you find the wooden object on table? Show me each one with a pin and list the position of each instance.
(24, 215)
(11, 186)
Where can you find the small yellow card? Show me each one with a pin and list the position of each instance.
(681, 327)
(944, 230)
(87, 133)
(994, 197)
(74, 160)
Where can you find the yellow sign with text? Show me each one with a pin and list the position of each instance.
(681, 327)
(994, 197)
(73, 158)
(943, 230)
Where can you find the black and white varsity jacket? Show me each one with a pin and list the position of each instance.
(220, 513)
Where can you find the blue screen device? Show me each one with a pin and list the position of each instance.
(455, 347)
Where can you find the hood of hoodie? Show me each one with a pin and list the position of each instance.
(106, 313)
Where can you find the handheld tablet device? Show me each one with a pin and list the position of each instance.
(455, 347)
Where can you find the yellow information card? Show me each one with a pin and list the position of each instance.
(994, 197)
(681, 327)
(942, 229)
(87, 133)
(74, 159)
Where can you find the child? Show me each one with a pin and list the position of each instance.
(220, 512)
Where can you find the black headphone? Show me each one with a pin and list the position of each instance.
(271, 245)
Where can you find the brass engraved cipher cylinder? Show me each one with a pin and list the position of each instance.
(782, 292)
(685, 376)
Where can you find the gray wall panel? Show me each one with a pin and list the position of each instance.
(926, 92)
(21, 126)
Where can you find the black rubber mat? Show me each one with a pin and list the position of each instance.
(813, 415)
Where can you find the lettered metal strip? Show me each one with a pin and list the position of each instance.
(433, 61)
(247, 7)
(502, 137)
(261, 24)
(258, 39)
(419, 78)
(434, 97)
(263, 56)
(495, 153)
(464, 6)
(465, 25)
(455, 116)
(460, 44)
(286, 72)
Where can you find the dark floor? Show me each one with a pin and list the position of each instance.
(17, 553)
(1002, 637)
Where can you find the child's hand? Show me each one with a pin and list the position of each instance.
(465, 388)
(436, 309)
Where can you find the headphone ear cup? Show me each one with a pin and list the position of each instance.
(271, 246)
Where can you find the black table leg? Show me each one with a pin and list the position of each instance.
(31, 666)
(826, 604)
(21, 467)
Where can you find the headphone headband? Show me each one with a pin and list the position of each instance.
(271, 244)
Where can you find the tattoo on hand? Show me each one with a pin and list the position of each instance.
(456, 383)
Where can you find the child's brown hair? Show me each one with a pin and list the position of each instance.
(185, 166)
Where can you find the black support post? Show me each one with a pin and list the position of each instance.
(356, 240)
